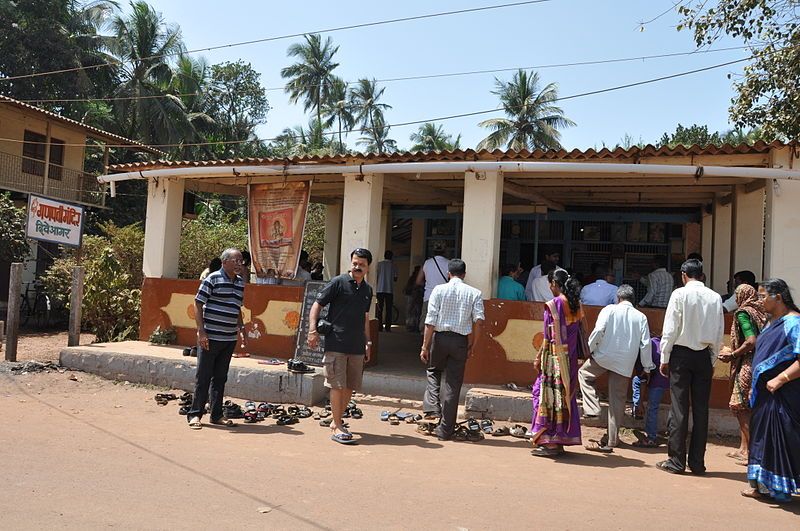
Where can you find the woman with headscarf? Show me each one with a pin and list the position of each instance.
(773, 467)
(556, 420)
(748, 321)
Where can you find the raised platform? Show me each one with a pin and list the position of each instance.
(141, 362)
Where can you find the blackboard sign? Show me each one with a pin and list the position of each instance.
(301, 351)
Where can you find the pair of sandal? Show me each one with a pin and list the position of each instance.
(600, 446)
(353, 411)
(469, 430)
(232, 410)
(326, 423)
(162, 399)
(646, 443)
(409, 418)
(343, 437)
(544, 451)
(298, 367)
(190, 351)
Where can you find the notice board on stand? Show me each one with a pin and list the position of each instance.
(302, 352)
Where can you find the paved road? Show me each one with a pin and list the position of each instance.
(93, 454)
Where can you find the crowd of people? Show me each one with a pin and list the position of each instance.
(764, 355)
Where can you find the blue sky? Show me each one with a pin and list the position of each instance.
(559, 31)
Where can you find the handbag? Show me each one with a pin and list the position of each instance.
(325, 326)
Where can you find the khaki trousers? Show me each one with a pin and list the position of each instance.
(617, 393)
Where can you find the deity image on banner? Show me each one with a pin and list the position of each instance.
(275, 228)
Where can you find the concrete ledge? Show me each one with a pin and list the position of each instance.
(516, 406)
(142, 363)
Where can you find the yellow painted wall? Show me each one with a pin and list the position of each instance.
(14, 122)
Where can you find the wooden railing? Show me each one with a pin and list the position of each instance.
(23, 174)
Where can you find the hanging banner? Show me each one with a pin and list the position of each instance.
(54, 221)
(277, 217)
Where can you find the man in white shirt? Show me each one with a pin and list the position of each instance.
(384, 289)
(540, 288)
(602, 291)
(552, 257)
(452, 326)
(690, 342)
(620, 335)
(659, 285)
(433, 273)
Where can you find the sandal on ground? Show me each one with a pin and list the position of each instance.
(304, 412)
(241, 355)
(413, 419)
(645, 443)
(667, 467)
(184, 410)
(501, 431)
(292, 410)
(252, 417)
(394, 420)
(594, 446)
(426, 429)
(460, 434)
(473, 425)
(223, 422)
(326, 423)
(486, 425)
(356, 413)
(233, 411)
(384, 416)
(753, 493)
(343, 438)
(286, 420)
(474, 436)
(735, 454)
(324, 413)
(543, 451)
(519, 431)
(195, 424)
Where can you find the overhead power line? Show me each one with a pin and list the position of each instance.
(423, 76)
(282, 37)
(439, 118)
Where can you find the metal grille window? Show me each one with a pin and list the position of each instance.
(34, 152)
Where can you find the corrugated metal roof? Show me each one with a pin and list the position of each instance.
(91, 131)
(469, 155)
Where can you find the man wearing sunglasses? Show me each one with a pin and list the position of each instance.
(219, 320)
(347, 345)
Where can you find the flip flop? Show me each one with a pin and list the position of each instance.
(384, 416)
(595, 446)
(501, 431)
(195, 424)
(223, 422)
(343, 438)
(486, 425)
(519, 431)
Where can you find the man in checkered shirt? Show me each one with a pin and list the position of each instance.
(452, 326)
(659, 285)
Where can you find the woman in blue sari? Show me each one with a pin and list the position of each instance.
(773, 467)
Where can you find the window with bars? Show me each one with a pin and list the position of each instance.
(34, 151)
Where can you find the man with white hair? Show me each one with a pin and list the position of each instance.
(219, 320)
(621, 333)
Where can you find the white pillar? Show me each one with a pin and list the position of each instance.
(480, 241)
(749, 231)
(162, 229)
(721, 260)
(361, 216)
(782, 253)
(333, 236)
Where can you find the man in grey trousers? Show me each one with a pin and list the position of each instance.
(452, 326)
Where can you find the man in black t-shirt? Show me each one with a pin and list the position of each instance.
(347, 346)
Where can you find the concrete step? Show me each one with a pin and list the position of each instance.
(139, 362)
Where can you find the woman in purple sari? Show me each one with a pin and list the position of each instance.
(556, 418)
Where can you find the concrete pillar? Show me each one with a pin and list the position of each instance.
(162, 229)
(721, 260)
(748, 231)
(782, 254)
(333, 237)
(361, 216)
(480, 245)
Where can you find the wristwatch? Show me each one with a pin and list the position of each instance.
(369, 343)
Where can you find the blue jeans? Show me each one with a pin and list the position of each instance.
(654, 396)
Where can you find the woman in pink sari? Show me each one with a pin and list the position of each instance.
(556, 418)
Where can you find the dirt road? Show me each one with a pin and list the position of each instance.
(92, 453)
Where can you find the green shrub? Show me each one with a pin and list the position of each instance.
(13, 244)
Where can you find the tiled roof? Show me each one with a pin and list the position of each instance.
(466, 155)
(91, 131)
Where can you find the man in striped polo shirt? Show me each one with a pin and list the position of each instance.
(219, 320)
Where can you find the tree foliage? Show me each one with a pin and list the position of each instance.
(701, 136)
(309, 79)
(768, 94)
(431, 137)
(206, 237)
(13, 243)
(532, 119)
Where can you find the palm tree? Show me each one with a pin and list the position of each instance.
(431, 137)
(338, 108)
(532, 120)
(364, 98)
(143, 44)
(376, 139)
(297, 141)
(310, 77)
(190, 82)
